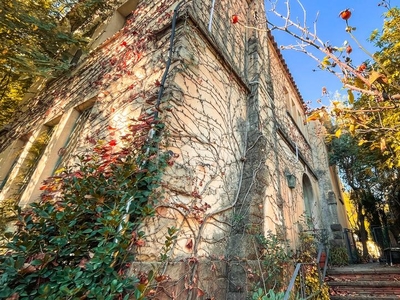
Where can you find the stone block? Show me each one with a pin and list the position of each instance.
(236, 296)
(242, 246)
(331, 198)
(336, 227)
(337, 243)
(237, 277)
(210, 277)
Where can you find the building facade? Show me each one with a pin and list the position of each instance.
(247, 162)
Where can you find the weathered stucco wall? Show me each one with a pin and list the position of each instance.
(234, 123)
(206, 129)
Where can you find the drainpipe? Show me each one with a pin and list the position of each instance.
(171, 44)
(211, 16)
(152, 131)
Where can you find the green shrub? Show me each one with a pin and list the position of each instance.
(338, 256)
(270, 295)
(275, 260)
(77, 241)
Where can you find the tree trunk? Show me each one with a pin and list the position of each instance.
(363, 236)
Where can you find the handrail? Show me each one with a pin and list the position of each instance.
(292, 280)
(296, 272)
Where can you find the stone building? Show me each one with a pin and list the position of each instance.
(247, 161)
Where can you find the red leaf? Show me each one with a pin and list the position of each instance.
(189, 244)
(77, 174)
(200, 292)
(140, 243)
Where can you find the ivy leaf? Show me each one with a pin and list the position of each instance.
(200, 293)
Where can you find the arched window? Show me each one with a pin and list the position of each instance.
(308, 196)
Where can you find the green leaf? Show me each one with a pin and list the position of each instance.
(65, 289)
(5, 292)
(36, 262)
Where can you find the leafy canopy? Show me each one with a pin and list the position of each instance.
(38, 41)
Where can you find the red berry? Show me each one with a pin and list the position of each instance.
(345, 14)
(349, 49)
(235, 19)
(362, 67)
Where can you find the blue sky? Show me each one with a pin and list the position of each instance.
(366, 17)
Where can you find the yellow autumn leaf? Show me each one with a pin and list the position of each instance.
(374, 76)
(383, 144)
(352, 129)
(34, 27)
(59, 171)
(325, 62)
(338, 133)
(350, 96)
(314, 116)
(358, 83)
(141, 287)
(335, 103)
(361, 142)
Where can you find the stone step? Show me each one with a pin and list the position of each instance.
(372, 281)
(366, 284)
(366, 287)
(365, 274)
(353, 297)
(366, 277)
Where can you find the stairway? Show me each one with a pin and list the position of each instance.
(364, 281)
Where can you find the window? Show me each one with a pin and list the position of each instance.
(32, 159)
(9, 159)
(65, 153)
(308, 197)
(59, 150)
(292, 108)
(300, 121)
(106, 29)
(25, 159)
(117, 22)
(286, 98)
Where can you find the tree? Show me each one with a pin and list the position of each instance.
(38, 41)
(356, 171)
(371, 109)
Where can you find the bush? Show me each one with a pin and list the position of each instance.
(77, 241)
(338, 256)
(275, 260)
